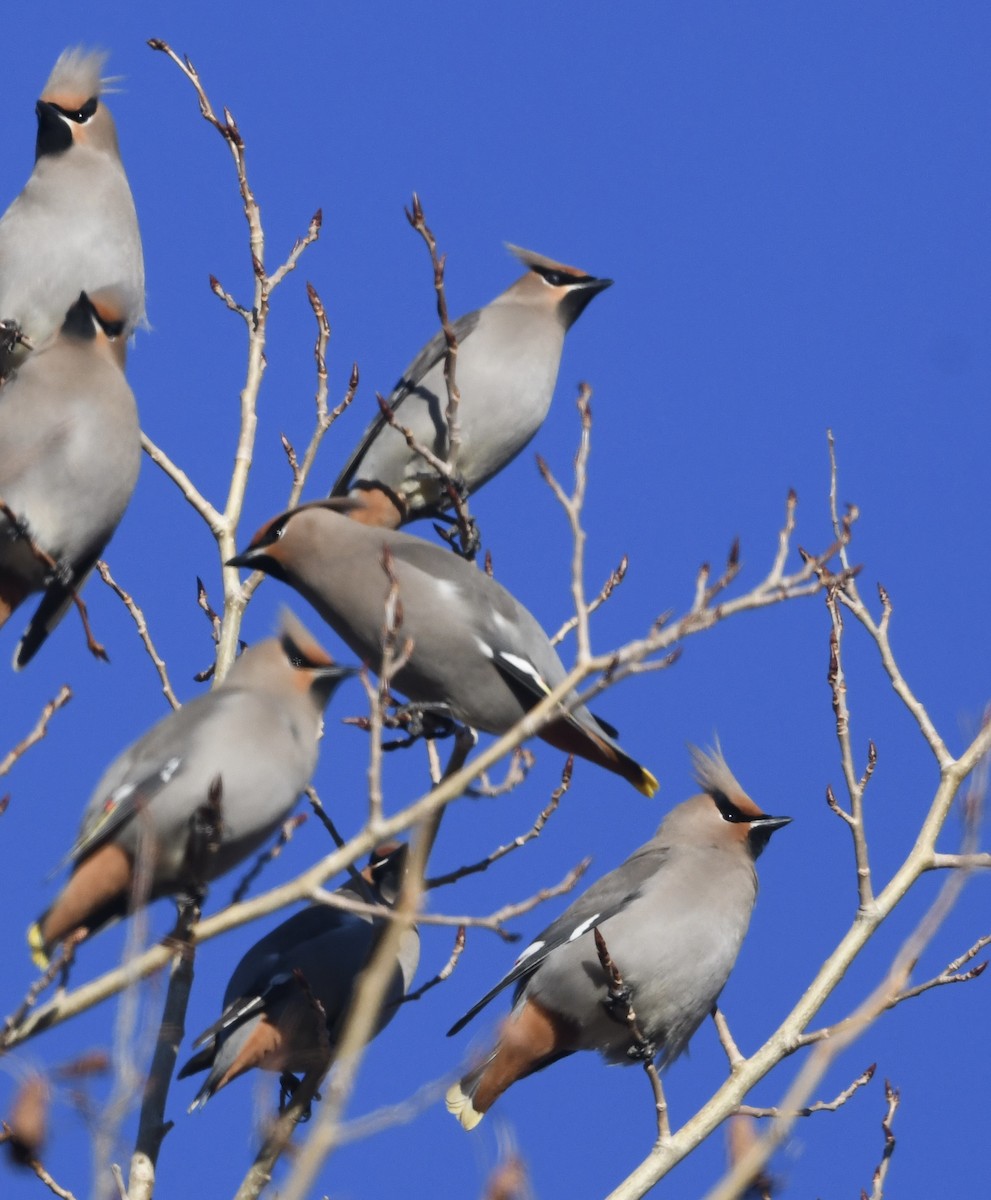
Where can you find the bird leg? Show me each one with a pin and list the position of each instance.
(205, 831)
(288, 1086)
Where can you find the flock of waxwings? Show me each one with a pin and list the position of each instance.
(673, 915)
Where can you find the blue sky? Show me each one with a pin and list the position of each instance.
(793, 204)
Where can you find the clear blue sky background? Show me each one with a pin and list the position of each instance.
(793, 201)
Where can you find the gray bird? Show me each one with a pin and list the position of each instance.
(70, 450)
(673, 917)
(257, 732)
(269, 1019)
(73, 228)
(477, 652)
(508, 358)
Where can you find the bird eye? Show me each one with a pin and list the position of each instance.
(729, 812)
(557, 278)
(79, 115)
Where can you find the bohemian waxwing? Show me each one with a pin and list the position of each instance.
(256, 732)
(673, 917)
(70, 449)
(477, 652)
(73, 228)
(508, 358)
(269, 1018)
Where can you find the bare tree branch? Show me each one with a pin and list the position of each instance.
(143, 632)
(893, 1097)
(38, 732)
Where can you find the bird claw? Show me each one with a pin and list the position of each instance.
(18, 529)
(288, 1085)
(420, 721)
(64, 573)
(642, 1052)
(617, 1003)
(11, 335)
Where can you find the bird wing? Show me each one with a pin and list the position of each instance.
(531, 687)
(428, 357)
(119, 806)
(604, 899)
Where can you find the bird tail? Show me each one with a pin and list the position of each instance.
(202, 1060)
(36, 942)
(582, 734)
(460, 1097)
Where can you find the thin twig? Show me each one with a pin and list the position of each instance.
(855, 788)
(820, 1105)
(572, 506)
(143, 632)
(39, 730)
(726, 1039)
(616, 577)
(893, 1098)
(534, 831)
(620, 999)
(289, 827)
(444, 973)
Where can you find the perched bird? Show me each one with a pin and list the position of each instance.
(70, 449)
(673, 917)
(73, 228)
(508, 358)
(256, 732)
(270, 1019)
(477, 653)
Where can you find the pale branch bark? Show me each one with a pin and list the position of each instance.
(878, 630)
(58, 966)
(35, 1165)
(791, 1034)
(444, 973)
(855, 787)
(190, 492)
(259, 1175)
(534, 831)
(520, 762)
(572, 506)
(617, 663)
(846, 1032)
(141, 624)
(358, 1030)
(495, 922)
(62, 698)
(616, 577)
(748, 1110)
(289, 827)
(741, 1133)
(437, 262)
(733, 1055)
(152, 1126)
(448, 476)
(620, 998)
(224, 525)
(893, 1098)
(324, 419)
(202, 843)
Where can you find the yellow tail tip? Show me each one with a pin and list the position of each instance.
(36, 942)
(460, 1106)
(648, 785)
